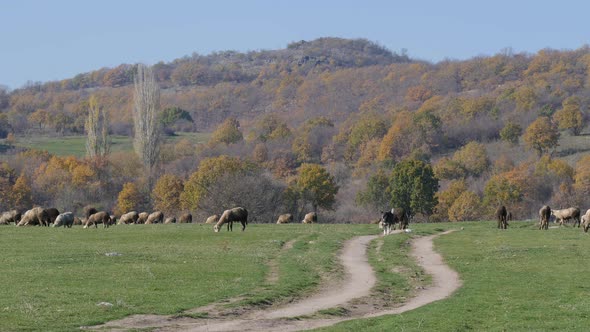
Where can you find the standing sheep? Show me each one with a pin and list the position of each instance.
(285, 219)
(229, 216)
(155, 218)
(544, 216)
(566, 214)
(98, 218)
(501, 215)
(65, 219)
(186, 218)
(310, 218)
(34, 216)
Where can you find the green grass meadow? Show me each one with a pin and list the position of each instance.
(76, 145)
(521, 279)
(54, 278)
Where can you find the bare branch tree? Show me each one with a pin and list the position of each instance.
(98, 143)
(146, 104)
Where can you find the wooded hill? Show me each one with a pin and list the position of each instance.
(508, 128)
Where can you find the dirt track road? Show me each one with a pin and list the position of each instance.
(360, 279)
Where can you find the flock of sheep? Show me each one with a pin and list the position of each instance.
(545, 213)
(52, 217)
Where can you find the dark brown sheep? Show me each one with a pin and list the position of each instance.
(501, 215)
(52, 213)
(544, 216)
(229, 216)
(101, 217)
(186, 218)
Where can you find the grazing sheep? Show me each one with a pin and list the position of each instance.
(229, 216)
(586, 220)
(65, 219)
(78, 221)
(310, 218)
(128, 218)
(501, 215)
(544, 216)
(52, 213)
(567, 214)
(212, 219)
(142, 217)
(170, 220)
(285, 218)
(186, 218)
(98, 218)
(155, 218)
(34, 216)
(8, 217)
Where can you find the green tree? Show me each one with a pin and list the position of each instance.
(413, 187)
(166, 193)
(542, 135)
(316, 186)
(376, 196)
(510, 133)
(172, 114)
(570, 117)
(228, 132)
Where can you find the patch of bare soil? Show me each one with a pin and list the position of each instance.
(360, 278)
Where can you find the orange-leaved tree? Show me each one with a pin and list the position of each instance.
(166, 193)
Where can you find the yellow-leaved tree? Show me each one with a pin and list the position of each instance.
(129, 199)
(166, 193)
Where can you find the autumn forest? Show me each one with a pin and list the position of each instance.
(344, 127)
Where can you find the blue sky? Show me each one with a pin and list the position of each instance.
(52, 40)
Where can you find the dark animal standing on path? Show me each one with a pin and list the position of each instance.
(387, 222)
(501, 215)
(229, 216)
(402, 217)
(544, 216)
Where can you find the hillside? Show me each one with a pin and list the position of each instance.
(355, 108)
